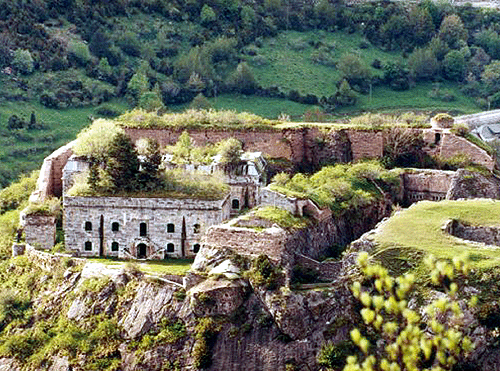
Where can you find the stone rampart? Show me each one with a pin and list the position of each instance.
(481, 234)
(46, 261)
(49, 182)
(426, 184)
(326, 271)
(366, 144)
(39, 230)
(453, 145)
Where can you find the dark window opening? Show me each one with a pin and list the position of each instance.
(143, 229)
(115, 246)
(170, 247)
(115, 226)
(196, 248)
(141, 251)
(437, 138)
(170, 228)
(88, 246)
(88, 226)
(235, 204)
(196, 228)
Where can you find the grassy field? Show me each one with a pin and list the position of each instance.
(178, 267)
(288, 60)
(417, 230)
(23, 150)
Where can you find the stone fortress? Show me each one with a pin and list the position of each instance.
(156, 228)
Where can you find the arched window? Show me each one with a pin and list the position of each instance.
(115, 226)
(196, 228)
(170, 228)
(196, 248)
(88, 246)
(115, 246)
(170, 247)
(88, 226)
(143, 229)
(235, 204)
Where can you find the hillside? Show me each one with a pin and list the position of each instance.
(67, 61)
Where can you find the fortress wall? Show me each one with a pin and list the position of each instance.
(248, 242)
(452, 145)
(287, 143)
(366, 144)
(39, 230)
(426, 184)
(49, 181)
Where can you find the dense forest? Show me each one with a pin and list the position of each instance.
(87, 58)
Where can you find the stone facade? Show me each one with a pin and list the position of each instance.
(426, 184)
(39, 230)
(139, 227)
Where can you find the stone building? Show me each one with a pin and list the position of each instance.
(140, 228)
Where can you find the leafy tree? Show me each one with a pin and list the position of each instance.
(248, 16)
(138, 84)
(242, 80)
(94, 141)
(150, 101)
(345, 96)
(100, 44)
(182, 150)
(122, 164)
(478, 62)
(421, 25)
(439, 48)
(149, 177)
(79, 52)
(453, 31)
(405, 344)
(423, 64)
(129, 43)
(490, 40)
(200, 102)
(230, 151)
(207, 15)
(23, 61)
(397, 76)
(491, 77)
(454, 65)
(354, 70)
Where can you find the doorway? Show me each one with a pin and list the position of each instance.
(141, 251)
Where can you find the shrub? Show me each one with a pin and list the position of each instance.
(150, 101)
(79, 51)
(130, 44)
(407, 344)
(49, 206)
(207, 15)
(23, 61)
(94, 141)
(460, 129)
(242, 80)
(200, 102)
(265, 274)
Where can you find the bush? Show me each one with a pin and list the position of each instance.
(49, 207)
(460, 129)
(265, 274)
(23, 61)
(200, 102)
(79, 52)
(409, 343)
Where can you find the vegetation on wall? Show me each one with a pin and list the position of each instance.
(341, 187)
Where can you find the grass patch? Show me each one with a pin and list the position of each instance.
(283, 218)
(418, 229)
(195, 119)
(178, 267)
(288, 60)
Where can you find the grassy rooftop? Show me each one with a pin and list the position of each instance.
(195, 119)
(415, 232)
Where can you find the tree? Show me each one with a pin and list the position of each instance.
(421, 25)
(491, 77)
(453, 31)
(405, 343)
(181, 151)
(454, 65)
(230, 151)
(207, 15)
(345, 96)
(23, 61)
(423, 64)
(122, 164)
(149, 176)
(94, 141)
(354, 70)
(200, 102)
(138, 84)
(242, 80)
